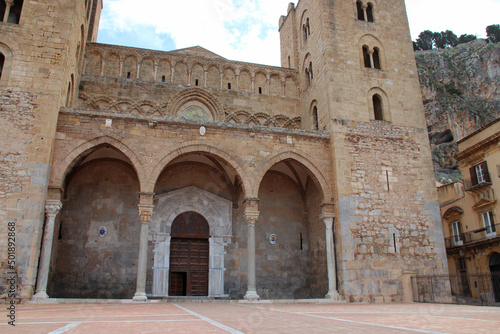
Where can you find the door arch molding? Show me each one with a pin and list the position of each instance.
(218, 213)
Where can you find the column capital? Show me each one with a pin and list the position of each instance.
(9, 2)
(251, 217)
(251, 210)
(52, 207)
(145, 213)
(327, 211)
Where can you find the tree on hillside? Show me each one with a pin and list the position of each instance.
(465, 38)
(445, 39)
(425, 40)
(493, 33)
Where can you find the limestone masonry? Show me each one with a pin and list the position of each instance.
(133, 173)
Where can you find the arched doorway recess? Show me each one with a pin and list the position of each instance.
(217, 212)
(189, 250)
(495, 275)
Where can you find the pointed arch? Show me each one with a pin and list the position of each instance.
(306, 161)
(211, 148)
(67, 160)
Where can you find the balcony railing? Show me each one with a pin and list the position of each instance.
(470, 186)
(481, 234)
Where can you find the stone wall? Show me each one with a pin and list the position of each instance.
(387, 225)
(283, 269)
(166, 100)
(22, 183)
(87, 265)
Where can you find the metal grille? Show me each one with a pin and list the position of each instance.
(480, 289)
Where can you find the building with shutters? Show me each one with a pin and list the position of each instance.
(132, 173)
(471, 213)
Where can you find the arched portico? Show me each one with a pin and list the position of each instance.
(66, 160)
(95, 238)
(296, 212)
(307, 162)
(210, 149)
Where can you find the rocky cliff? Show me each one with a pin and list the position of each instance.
(461, 93)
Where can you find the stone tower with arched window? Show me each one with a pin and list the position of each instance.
(366, 91)
(40, 64)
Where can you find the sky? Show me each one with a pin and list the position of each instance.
(247, 30)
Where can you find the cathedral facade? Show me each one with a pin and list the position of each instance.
(132, 173)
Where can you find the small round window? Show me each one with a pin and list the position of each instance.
(195, 114)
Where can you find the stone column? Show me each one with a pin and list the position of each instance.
(155, 72)
(172, 74)
(365, 16)
(145, 213)
(268, 84)
(328, 216)
(206, 76)
(8, 4)
(251, 215)
(121, 68)
(372, 63)
(52, 208)
(85, 62)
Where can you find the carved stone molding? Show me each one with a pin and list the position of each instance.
(327, 211)
(251, 210)
(145, 213)
(52, 208)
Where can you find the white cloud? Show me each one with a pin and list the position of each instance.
(232, 29)
(247, 30)
(459, 16)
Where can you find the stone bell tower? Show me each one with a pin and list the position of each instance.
(359, 82)
(42, 44)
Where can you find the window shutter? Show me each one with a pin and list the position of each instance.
(473, 176)
(486, 173)
(492, 222)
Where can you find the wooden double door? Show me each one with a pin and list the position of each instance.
(189, 252)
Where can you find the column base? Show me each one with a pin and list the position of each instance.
(334, 295)
(140, 297)
(252, 296)
(40, 295)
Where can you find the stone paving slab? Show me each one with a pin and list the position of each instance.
(265, 317)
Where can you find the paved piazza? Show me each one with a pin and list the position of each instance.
(236, 317)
